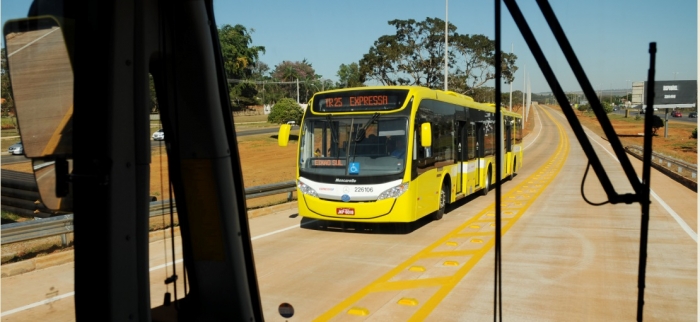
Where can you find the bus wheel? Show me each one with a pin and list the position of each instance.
(443, 204)
(512, 173)
(487, 184)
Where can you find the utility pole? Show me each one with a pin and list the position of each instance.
(446, 30)
(297, 91)
(510, 96)
(524, 76)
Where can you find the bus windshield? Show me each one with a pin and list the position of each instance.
(367, 145)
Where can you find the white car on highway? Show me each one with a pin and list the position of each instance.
(16, 148)
(159, 135)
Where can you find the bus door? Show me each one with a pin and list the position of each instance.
(509, 136)
(508, 146)
(461, 155)
(480, 133)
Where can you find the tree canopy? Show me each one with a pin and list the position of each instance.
(8, 103)
(415, 55)
(349, 76)
(240, 58)
(285, 110)
(309, 81)
(656, 124)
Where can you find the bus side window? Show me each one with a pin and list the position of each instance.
(471, 142)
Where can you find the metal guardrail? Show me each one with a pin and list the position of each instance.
(45, 227)
(683, 172)
(63, 224)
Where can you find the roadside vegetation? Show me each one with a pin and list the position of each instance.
(680, 143)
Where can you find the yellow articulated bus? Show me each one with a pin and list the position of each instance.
(397, 153)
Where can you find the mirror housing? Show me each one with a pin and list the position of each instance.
(426, 135)
(283, 135)
(41, 76)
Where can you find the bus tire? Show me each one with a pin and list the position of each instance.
(512, 173)
(487, 183)
(443, 203)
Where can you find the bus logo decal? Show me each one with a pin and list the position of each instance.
(345, 198)
(345, 211)
(354, 168)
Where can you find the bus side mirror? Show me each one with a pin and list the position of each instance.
(426, 135)
(41, 78)
(283, 135)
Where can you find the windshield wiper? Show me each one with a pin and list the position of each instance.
(329, 118)
(361, 133)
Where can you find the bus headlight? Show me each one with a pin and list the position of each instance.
(394, 192)
(305, 189)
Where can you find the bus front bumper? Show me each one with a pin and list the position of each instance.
(387, 210)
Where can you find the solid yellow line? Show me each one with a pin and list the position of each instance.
(453, 280)
(51, 145)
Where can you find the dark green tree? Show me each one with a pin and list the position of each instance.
(483, 94)
(656, 124)
(474, 56)
(517, 99)
(415, 55)
(153, 103)
(349, 76)
(607, 107)
(8, 104)
(240, 59)
(285, 110)
(583, 108)
(290, 72)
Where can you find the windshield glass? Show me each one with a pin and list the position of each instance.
(361, 146)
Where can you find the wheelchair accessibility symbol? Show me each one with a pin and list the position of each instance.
(354, 168)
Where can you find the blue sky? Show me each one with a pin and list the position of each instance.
(611, 37)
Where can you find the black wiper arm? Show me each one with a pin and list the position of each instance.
(361, 133)
(329, 118)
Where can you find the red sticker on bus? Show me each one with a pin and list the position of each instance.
(345, 211)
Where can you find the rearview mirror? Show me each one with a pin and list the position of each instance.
(283, 135)
(41, 77)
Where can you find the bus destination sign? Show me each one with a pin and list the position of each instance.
(363, 100)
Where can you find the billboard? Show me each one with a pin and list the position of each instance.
(674, 94)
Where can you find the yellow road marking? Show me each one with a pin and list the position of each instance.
(408, 301)
(58, 132)
(358, 311)
(535, 185)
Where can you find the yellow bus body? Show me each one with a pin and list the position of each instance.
(422, 197)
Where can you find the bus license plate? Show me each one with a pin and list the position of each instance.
(345, 211)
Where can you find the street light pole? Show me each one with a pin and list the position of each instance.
(524, 77)
(446, 31)
(510, 103)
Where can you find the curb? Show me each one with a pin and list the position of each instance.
(63, 257)
(39, 262)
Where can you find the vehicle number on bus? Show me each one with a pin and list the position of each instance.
(364, 189)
